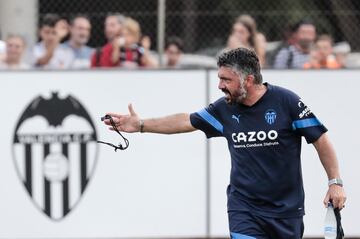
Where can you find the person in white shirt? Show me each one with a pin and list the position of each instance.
(47, 53)
(15, 48)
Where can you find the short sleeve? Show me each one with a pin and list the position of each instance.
(207, 120)
(304, 121)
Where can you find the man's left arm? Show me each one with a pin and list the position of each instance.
(327, 156)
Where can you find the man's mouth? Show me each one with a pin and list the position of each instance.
(225, 91)
(227, 95)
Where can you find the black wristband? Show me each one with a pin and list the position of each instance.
(141, 123)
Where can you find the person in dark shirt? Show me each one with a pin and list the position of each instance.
(295, 55)
(263, 125)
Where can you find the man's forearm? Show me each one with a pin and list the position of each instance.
(172, 124)
(335, 193)
(327, 156)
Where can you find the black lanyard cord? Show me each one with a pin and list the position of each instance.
(116, 147)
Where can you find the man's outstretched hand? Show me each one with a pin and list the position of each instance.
(129, 123)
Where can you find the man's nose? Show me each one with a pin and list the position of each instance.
(220, 85)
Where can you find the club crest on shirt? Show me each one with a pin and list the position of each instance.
(270, 116)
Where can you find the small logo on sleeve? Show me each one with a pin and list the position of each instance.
(301, 103)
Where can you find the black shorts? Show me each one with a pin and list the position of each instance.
(245, 225)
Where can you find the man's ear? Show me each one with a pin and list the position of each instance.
(250, 80)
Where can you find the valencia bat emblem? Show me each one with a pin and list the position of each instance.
(55, 153)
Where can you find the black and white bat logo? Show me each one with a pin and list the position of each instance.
(55, 153)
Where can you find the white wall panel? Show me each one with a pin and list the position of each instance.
(157, 188)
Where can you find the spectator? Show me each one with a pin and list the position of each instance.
(2, 49)
(128, 53)
(244, 34)
(287, 40)
(314, 59)
(62, 29)
(298, 53)
(15, 48)
(341, 51)
(80, 53)
(46, 54)
(322, 55)
(146, 42)
(114, 24)
(260, 39)
(173, 52)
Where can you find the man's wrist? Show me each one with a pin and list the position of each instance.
(141, 126)
(336, 181)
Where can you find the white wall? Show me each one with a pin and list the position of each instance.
(157, 187)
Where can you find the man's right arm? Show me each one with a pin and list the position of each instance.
(172, 124)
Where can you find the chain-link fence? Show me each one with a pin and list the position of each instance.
(205, 25)
(145, 12)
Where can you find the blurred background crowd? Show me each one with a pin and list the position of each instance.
(132, 34)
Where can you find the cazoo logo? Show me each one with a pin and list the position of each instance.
(253, 136)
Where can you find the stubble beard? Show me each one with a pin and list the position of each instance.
(242, 96)
(237, 97)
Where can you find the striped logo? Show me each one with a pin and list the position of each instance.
(270, 116)
(55, 153)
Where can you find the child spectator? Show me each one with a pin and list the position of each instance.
(46, 53)
(173, 52)
(322, 56)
